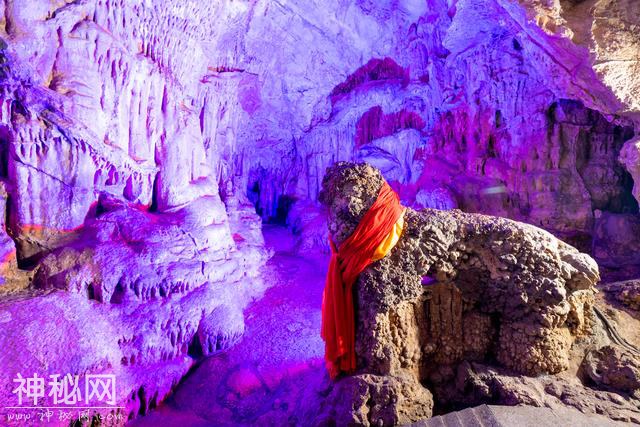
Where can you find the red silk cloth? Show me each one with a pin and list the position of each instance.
(347, 262)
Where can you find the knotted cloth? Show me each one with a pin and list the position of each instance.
(375, 235)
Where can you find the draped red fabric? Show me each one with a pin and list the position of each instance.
(347, 262)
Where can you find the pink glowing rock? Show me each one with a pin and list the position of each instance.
(376, 124)
(8, 262)
(376, 70)
(243, 382)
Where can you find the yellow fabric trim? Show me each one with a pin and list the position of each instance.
(390, 241)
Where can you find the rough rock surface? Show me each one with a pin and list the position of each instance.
(608, 29)
(462, 288)
(137, 252)
(613, 368)
(503, 416)
(368, 399)
(630, 158)
(116, 299)
(10, 277)
(475, 383)
(627, 293)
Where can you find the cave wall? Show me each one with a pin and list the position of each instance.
(519, 110)
(126, 249)
(99, 97)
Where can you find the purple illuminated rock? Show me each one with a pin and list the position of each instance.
(613, 368)
(607, 29)
(134, 294)
(615, 239)
(630, 158)
(141, 250)
(626, 293)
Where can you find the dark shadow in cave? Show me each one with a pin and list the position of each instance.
(285, 203)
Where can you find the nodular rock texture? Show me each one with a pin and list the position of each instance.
(458, 290)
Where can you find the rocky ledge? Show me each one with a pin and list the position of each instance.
(135, 295)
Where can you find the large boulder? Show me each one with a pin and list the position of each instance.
(614, 368)
(460, 287)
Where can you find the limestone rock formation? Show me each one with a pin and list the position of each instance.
(614, 368)
(476, 383)
(626, 293)
(369, 399)
(134, 294)
(608, 29)
(127, 247)
(10, 276)
(517, 109)
(461, 288)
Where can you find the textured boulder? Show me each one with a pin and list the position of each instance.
(475, 383)
(368, 399)
(613, 368)
(496, 289)
(626, 293)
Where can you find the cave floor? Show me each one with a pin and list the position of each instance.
(272, 373)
